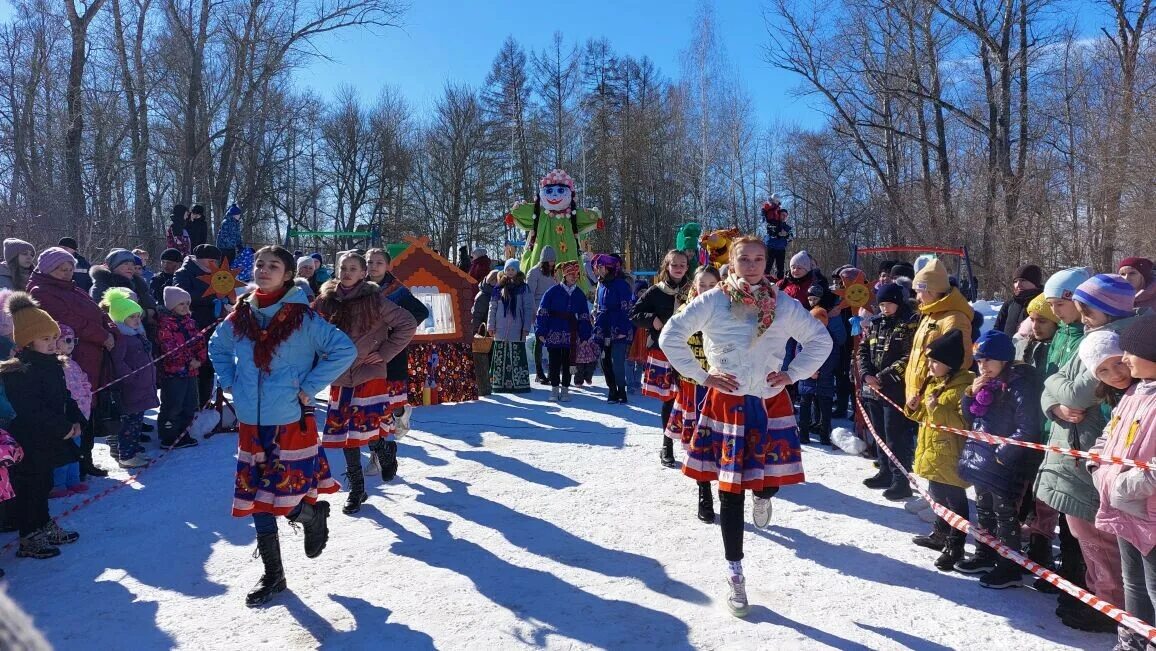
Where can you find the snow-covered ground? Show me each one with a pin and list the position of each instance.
(517, 523)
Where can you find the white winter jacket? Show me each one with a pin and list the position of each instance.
(731, 347)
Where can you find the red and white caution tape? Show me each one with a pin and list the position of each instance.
(960, 523)
(997, 440)
(200, 335)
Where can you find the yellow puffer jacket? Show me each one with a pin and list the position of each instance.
(952, 312)
(937, 452)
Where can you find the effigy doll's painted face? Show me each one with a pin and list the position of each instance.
(555, 197)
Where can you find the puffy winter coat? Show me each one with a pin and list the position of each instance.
(563, 319)
(309, 359)
(778, 231)
(728, 334)
(952, 312)
(824, 385)
(205, 308)
(69, 305)
(1130, 435)
(937, 452)
(157, 286)
(884, 351)
(176, 237)
(1014, 414)
(104, 280)
(373, 322)
(511, 319)
(612, 311)
(180, 334)
(229, 235)
(658, 302)
(797, 288)
(1013, 312)
(397, 368)
(45, 411)
(539, 282)
(481, 309)
(79, 387)
(10, 454)
(133, 354)
(6, 281)
(1063, 482)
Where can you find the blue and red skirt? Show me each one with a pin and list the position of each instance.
(359, 415)
(659, 379)
(278, 467)
(398, 392)
(684, 415)
(745, 442)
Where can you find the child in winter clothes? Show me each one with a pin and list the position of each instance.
(1001, 401)
(883, 355)
(1128, 495)
(778, 235)
(184, 351)
(66, 478)
(46, 418)
(132, 360)
(563, 322)
(817, 393)
(612, 326)
(936, 403)
(639, 351)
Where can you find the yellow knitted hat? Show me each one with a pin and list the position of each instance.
(29, 322)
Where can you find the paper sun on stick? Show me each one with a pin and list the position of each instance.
(221, 281)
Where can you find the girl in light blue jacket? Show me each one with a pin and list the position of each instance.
(274, 353)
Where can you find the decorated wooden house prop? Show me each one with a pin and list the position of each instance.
(441, 359)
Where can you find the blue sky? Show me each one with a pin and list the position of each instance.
(456, 40)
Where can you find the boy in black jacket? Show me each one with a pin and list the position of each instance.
(883, 356)
(46, 418)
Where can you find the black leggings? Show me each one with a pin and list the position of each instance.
(538, 357)
(667, 442)
(731, 517)
(559, 359)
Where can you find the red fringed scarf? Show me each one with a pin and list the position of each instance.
(266, 340)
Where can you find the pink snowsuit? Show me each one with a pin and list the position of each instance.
(10, 454)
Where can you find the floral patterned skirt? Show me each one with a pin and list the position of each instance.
(659, 379)
(359, 415)
(684, 416)
(278, 466)
(398, 391)
(509, 368)
(745, 442)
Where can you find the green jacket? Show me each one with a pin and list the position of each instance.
(1063, 482)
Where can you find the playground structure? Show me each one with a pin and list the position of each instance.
(968, 285)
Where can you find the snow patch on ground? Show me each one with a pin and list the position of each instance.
(518, 523)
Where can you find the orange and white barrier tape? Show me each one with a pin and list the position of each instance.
(997, 440)
(960, 523)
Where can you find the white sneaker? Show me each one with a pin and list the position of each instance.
(737, 599)
(915, 505)
(555, 394)
(372, 467)
(761, 512)
(135, 462)
(402, 424)
(565, 397)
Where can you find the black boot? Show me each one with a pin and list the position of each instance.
(88, 469)
(666, 455)
(1007, 574)
(705, 502)
(880, 479)
(1040, 550)
(357, 494)
(314, 517)
(273, 580)
(934, 540)
(981, 562)
(622, 397)
(386, 452)
(952, 554)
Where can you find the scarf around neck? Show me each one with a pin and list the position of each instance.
(759, 297)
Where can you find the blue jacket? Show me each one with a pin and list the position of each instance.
(779, 234)
(612, 305)
(563, 319)
(1014, 414)
(309, 360)
(824, 385)
(229, 235)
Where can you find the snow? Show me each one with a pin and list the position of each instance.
(989, 310)
(517, 523)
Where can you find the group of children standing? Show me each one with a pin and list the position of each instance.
(1078, 372)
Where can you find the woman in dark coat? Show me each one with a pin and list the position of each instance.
(52, 286)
